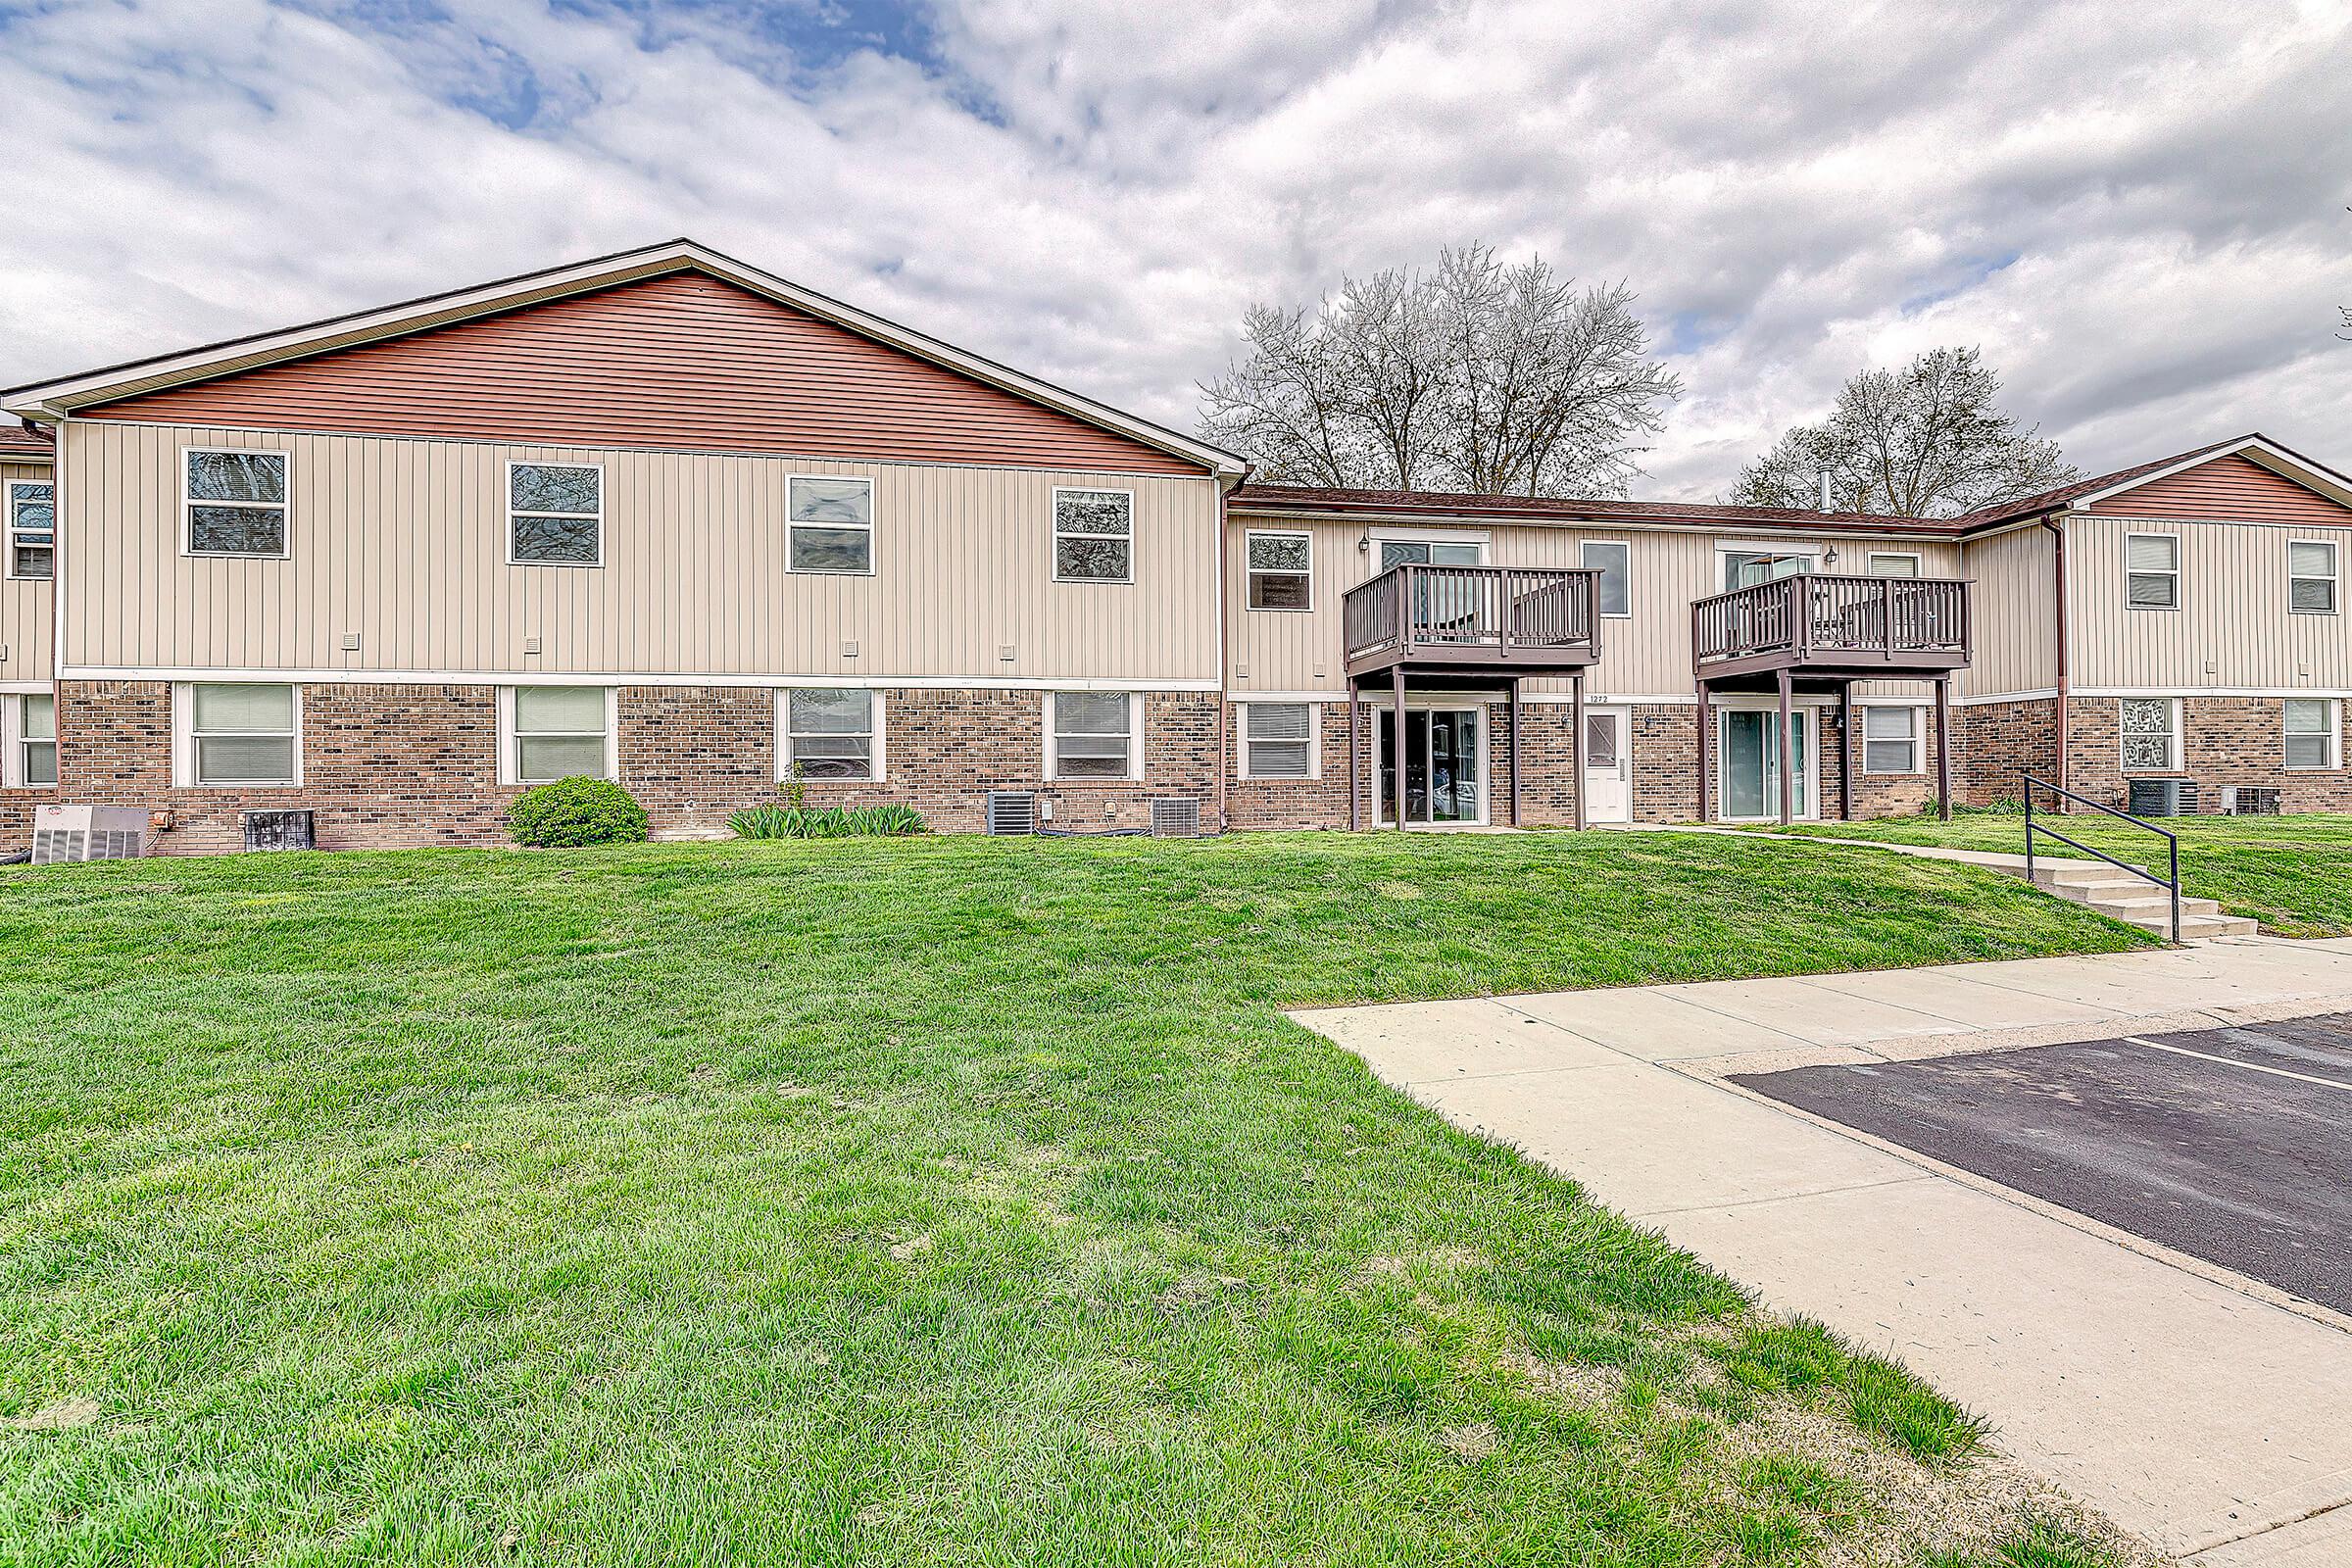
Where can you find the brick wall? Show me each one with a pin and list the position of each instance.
(1994, 743)
(2224, 741)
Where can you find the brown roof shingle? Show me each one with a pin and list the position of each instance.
(17, 440)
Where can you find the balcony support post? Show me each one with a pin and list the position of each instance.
(1943, 748)
(1396, 733)
(1356, 760)
(1788, 752)
(1845, 750)
(1576, 745)
(1512, 751)
(1706, 755)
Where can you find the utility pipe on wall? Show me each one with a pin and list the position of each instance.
(2064, 681)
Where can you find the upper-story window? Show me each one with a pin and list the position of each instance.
(1431, 553)
(1893, 563)
(31, 530)
(1744, 568)
(1093, 536)
(1281, 571)
(555, 514)
(235, 503)
(2311, 577)
(2153, 567)
(830, 523)
(1613, 559)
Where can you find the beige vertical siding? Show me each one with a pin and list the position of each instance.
(27, 606)
(2232, 629)
(2015, 615)
(1646, 654)
(404, 543)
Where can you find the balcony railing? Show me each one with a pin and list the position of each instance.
(1474, 614)
(1827, 619)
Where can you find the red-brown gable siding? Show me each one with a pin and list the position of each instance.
(2227, 490)
(682, 361)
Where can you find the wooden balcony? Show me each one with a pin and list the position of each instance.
(1824, 626)
(1471, 621)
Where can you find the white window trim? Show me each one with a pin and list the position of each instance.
(2174, 753)
(1315, 742)
(2179, 585)
(871, 561)
(1871, 559)
(509, 744)
(1918, 739)
(1061, 490)
(188, 504)
(12, 739)
(2334, 733)
(8, 528)
(879, 714)
(1251, 573)
(1135, 738)
(2335, 578)
(1374, 538)
(506, 509)
(1627, 545)
(183, 738)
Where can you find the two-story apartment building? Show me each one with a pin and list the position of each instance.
(669, 519)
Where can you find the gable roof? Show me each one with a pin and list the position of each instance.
(2083, 494)
(61, 396)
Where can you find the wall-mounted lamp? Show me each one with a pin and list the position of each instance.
(1831, 559)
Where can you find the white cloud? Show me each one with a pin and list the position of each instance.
(2136, 209)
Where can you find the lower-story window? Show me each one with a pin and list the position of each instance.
(2312, 736)
(1890, 739)
(240, 734)
(2151, 727)
(558, 732)
(833, 733)
(1278, 739)
(1093, 735)
(29, 726)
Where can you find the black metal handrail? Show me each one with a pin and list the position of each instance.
(2171, 839)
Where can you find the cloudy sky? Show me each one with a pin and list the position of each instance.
(2137, 208)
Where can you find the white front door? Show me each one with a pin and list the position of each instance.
(1608, 765)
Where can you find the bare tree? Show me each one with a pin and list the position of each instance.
(1924, 441)
(1477, 376)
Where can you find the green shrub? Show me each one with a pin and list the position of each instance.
(576, 810)
(827, 821)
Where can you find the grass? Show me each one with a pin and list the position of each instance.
(2292, 874)
(915, 1202)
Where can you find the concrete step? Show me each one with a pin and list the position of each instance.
(2193, 927)
(2153, 900)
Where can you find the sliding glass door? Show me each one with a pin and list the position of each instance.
(1445, 779)
(1750, 748)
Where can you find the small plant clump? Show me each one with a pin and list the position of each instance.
(827, 822)
(573, 811)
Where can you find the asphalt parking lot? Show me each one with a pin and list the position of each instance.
(2233, 1145)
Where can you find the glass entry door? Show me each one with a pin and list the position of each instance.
(1751, 744)
(1444, 781)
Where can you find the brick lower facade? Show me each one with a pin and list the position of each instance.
(397, 766)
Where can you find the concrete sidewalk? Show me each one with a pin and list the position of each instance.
(2199, 1409)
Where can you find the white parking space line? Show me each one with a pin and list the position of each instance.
(2233, 1062)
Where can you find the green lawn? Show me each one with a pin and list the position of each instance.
(2292, 874)
(938, 1202)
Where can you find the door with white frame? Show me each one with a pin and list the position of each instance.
(1445, 766)
(1747, 752)
(1608, 765)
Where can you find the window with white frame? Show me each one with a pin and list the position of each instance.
(31, 529)
(2151, 729)
(1281, 571)
(1613, 559)
(2311, 577)
(1744, 568)
(1093, 735)
(829, 524)
(833, 732)
(1893, 563)
(1093, 536)
(235, 502)
(2153, 567)
(555, 513)
(559, 732)
(241, 734)
(32, 740)
(1278, 739)
(2313, 740)
(1432, 553)
(1891, 739)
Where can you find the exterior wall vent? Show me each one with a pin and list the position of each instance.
(2163, 797)
(1175, 816)
(2245, 799)
(280, 830)
(1012, 811)
(64, 834)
